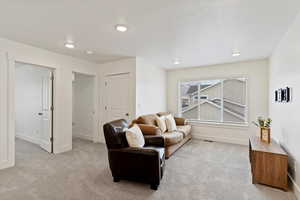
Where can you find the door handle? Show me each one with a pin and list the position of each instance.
(127, 114)
(40, 114)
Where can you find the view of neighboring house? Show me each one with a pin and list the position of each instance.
(215, 100)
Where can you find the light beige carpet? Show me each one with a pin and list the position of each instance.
(200, 171)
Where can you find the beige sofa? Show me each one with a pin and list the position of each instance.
(173, 140)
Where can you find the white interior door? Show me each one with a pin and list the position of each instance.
(118, 97)
(46, 113)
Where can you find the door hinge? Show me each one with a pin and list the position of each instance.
(52, 78)
(105, 83)
(105, 107)
(52, 108)
(51, 139)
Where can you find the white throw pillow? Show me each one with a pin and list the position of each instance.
(171, 124)
(135, 136)
(161, 122)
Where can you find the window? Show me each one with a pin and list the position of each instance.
(221, 101)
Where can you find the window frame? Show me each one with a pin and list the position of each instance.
(221, 122)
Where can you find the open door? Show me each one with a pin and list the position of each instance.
(46, 114)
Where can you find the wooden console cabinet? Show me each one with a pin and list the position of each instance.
(269, 163)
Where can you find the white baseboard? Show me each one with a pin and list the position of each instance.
(62, 149)
(221, 139)
(7, 164)
(84, 136)
(27, 138)
(295, 187)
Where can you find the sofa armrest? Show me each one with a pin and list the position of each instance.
(180, 121)
(149, 129)
(157, 141)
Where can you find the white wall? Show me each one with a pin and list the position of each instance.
(63, 65)
(151, 88)
(83, 106)
(28, 98)
(257, 74)
(285, 72)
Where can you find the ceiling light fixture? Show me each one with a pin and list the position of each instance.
(236, 53)
(121, 28)
(176, 62)
(89, 52)
(70, 45)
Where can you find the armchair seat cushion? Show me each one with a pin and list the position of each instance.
(172, 137)
(160, 150)
(186, 129)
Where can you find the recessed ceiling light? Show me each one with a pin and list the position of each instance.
(70, 45)
(236, 53)
(89, 52)
(176, 62)
(121, 28)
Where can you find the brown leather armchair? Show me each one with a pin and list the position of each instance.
(140, 164)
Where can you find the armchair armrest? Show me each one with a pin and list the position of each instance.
(130, 162)
(135, 150)
(180, 121)
(157, 141)
(149, 129)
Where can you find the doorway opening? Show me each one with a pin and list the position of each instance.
(84, 101)
(34, 105)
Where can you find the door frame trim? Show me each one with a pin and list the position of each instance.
(7, 123)
(52, 108)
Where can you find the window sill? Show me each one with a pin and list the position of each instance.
(218, 124)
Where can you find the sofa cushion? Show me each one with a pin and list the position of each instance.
(149, 129)
(186, 129)
(180, 121)
(147, 119)
(172, 137)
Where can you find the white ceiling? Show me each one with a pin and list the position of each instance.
(198, 32)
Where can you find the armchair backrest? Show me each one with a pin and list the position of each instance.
(114, 133)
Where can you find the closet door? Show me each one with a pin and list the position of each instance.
(117, 97)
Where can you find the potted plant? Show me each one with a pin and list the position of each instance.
(265, 128)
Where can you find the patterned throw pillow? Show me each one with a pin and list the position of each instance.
(161, 122)
(135, 137)
(170, 122)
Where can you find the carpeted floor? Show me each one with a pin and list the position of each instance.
(200, 171)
